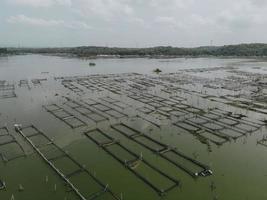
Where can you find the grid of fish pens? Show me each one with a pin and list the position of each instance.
(24, 83)
(87, 112)
(218, 127)
(69, 84)
(235, 122)
(64, 116)
(89, 86)
(156, 179)
(163, 109)
(104, 109)
(167, 105)
(66, 167)
(116, 103)
(189, 165)
(10, 148)
(7, 90)
(101, 83)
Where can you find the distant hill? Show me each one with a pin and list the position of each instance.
(256, 49)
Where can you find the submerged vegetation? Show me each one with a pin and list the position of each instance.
(256, 49)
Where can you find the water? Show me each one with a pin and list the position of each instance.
(239, 167)
(32, 66)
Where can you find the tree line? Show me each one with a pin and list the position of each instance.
(256, 49)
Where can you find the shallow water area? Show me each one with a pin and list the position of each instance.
(119, 131)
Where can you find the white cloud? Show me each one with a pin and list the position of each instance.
(105, 9)
(22, 19)
(165, 20)
(175, 21)
(40, 3)
(77, 25)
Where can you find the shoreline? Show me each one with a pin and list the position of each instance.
(159, 57)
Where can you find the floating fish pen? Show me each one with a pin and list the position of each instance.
(87, 112)
(208, 69)
(99, 84)
(189, 165)
(10, 148)
(118, 104)
(218, 127)
(7, 90)
(24, 83)
(197, 130)
(150, 121)
(65, 166)
(69, 85)
(155, 117)
(4, 131)
(235, 122)
(113, 89)
(252, 106)
(64, 116)
(144, 82)
(239, 117)
(166, 106)
(89, 86)
(7, 86)
(104, 109)
(38, 81)
(133, 162)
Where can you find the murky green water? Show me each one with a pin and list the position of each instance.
(238, 166)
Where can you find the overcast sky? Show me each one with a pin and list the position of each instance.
(132, 23)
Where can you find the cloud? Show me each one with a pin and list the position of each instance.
(105, 9)
(22, 19)
(40, 3)
(165, 20)
(259, 2)
(177, 22)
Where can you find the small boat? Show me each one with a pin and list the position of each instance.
(92, 64)
(157, 71)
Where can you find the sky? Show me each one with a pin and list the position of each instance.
(131, 23)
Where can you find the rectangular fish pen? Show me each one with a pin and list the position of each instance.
(69, 85)
(24, 83)
(191, 166)
(87, 112)
(104, 109)
(65, 166)
(133, 162)
(7, 90)
(10, 148)
(64, 116)
(197, 130)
